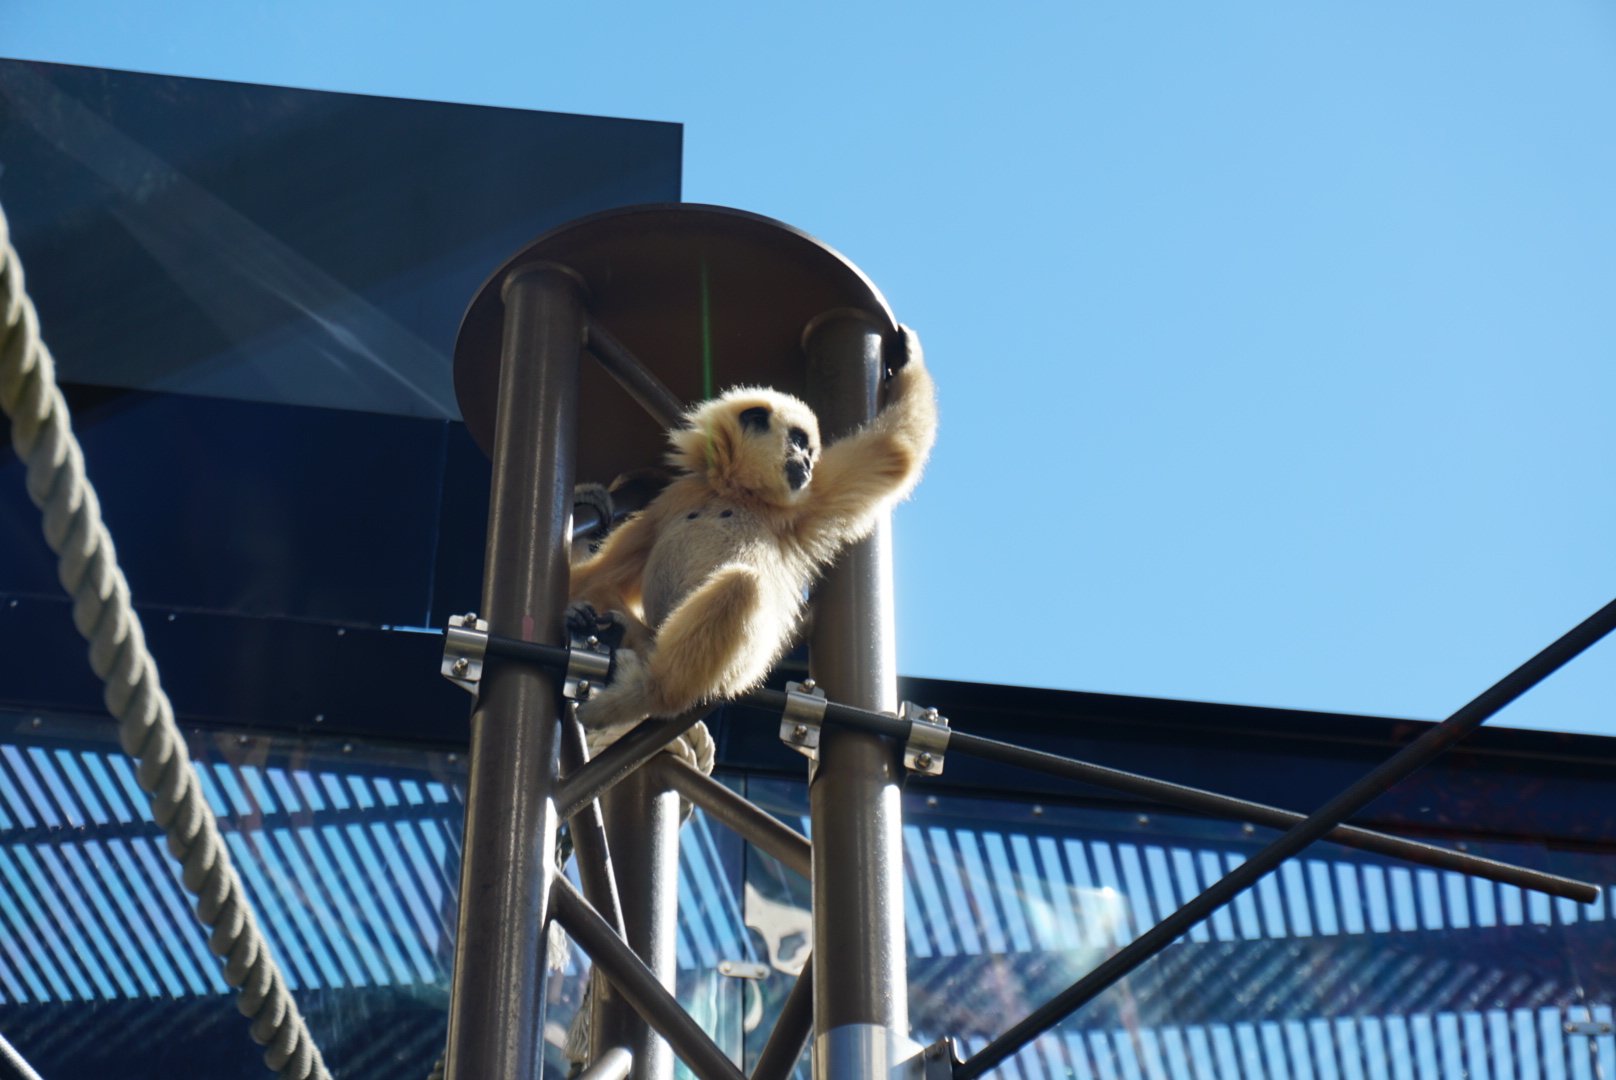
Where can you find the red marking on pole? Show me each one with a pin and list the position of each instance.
(527, 628)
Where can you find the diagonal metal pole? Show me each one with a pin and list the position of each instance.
(639, 985)
(620, 759)
(1372, 785)
(792, 1028)
(760, 827)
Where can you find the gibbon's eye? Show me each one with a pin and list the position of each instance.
(798, 437)
(754, 419)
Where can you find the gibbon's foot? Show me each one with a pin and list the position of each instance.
(613, 709)
(583, 621)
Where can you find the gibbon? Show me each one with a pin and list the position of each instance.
(706, 585)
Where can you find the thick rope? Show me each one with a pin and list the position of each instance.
(88, 569)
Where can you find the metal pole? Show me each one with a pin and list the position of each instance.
(762, 828)
(642, 832)
(496, 1009)
(789, 1038)
(639, 986)
(861, 1008)
(644, 387)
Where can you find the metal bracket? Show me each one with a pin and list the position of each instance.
(938, 1059)
(743, 969)
(927, 744)
(589, 664)
(465, 643)
(1588, 1027)
(804, 714)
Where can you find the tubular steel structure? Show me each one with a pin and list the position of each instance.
(802, 319)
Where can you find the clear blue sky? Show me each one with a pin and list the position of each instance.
(1275, 340)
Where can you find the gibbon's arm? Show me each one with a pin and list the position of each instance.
(876, 465)
(610, 580)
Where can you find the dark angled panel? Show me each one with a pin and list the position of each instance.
(286, 245)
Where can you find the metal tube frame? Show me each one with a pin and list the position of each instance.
(860, 986)
(859, 1007)
(496, 1008)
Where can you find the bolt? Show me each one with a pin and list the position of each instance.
(808, 686)
(931, 715)
(592, 641)
(471, 619)
(1462, 846)
(37, 721)
(347, 748)
(931, 800)
(461, 666)
(453, 758)
(1144, 819)
(923, 760)
(1248, 828)
(319, 718)
(800, 731)
(170, 616)
(1037, 811)
(241, 740)
(583, 688)
(340, 631)
(725, 967)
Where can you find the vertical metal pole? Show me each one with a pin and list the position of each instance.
(496, 1011)
(642, 831)
(861, 1007)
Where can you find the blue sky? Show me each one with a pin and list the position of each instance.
(1275, 341)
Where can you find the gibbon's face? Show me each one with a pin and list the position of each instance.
(758, 442)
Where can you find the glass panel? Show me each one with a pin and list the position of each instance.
(1340, 966)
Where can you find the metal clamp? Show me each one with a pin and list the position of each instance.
(803, 716)
(927, 744)
(743, 969)
(1588, 1027)
(589, 664)
(465, 644)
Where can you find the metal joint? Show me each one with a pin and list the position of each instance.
(743, 969)
(938, 1059)
(465, 644)
(803, 716)
(927, 744)
(589, 664)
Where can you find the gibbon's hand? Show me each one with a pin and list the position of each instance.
(900, 349)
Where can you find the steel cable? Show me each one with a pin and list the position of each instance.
(88, 569)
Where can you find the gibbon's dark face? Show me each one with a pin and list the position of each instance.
(796, 446)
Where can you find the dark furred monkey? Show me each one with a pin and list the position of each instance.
(708, 579)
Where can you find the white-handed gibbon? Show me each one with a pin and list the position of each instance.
(708, 581)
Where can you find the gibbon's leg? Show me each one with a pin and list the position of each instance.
(716, 643)
(713, 645)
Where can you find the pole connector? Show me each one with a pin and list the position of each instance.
(803, 716)
(465, 643)
(938, 1059)
(589, 664)
(927, 744)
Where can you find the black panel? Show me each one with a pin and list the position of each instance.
(286, 245)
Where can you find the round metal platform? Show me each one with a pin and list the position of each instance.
(671, 281)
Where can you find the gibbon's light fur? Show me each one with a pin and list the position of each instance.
(708, 580)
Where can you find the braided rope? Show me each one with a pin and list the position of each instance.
(88, 569)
